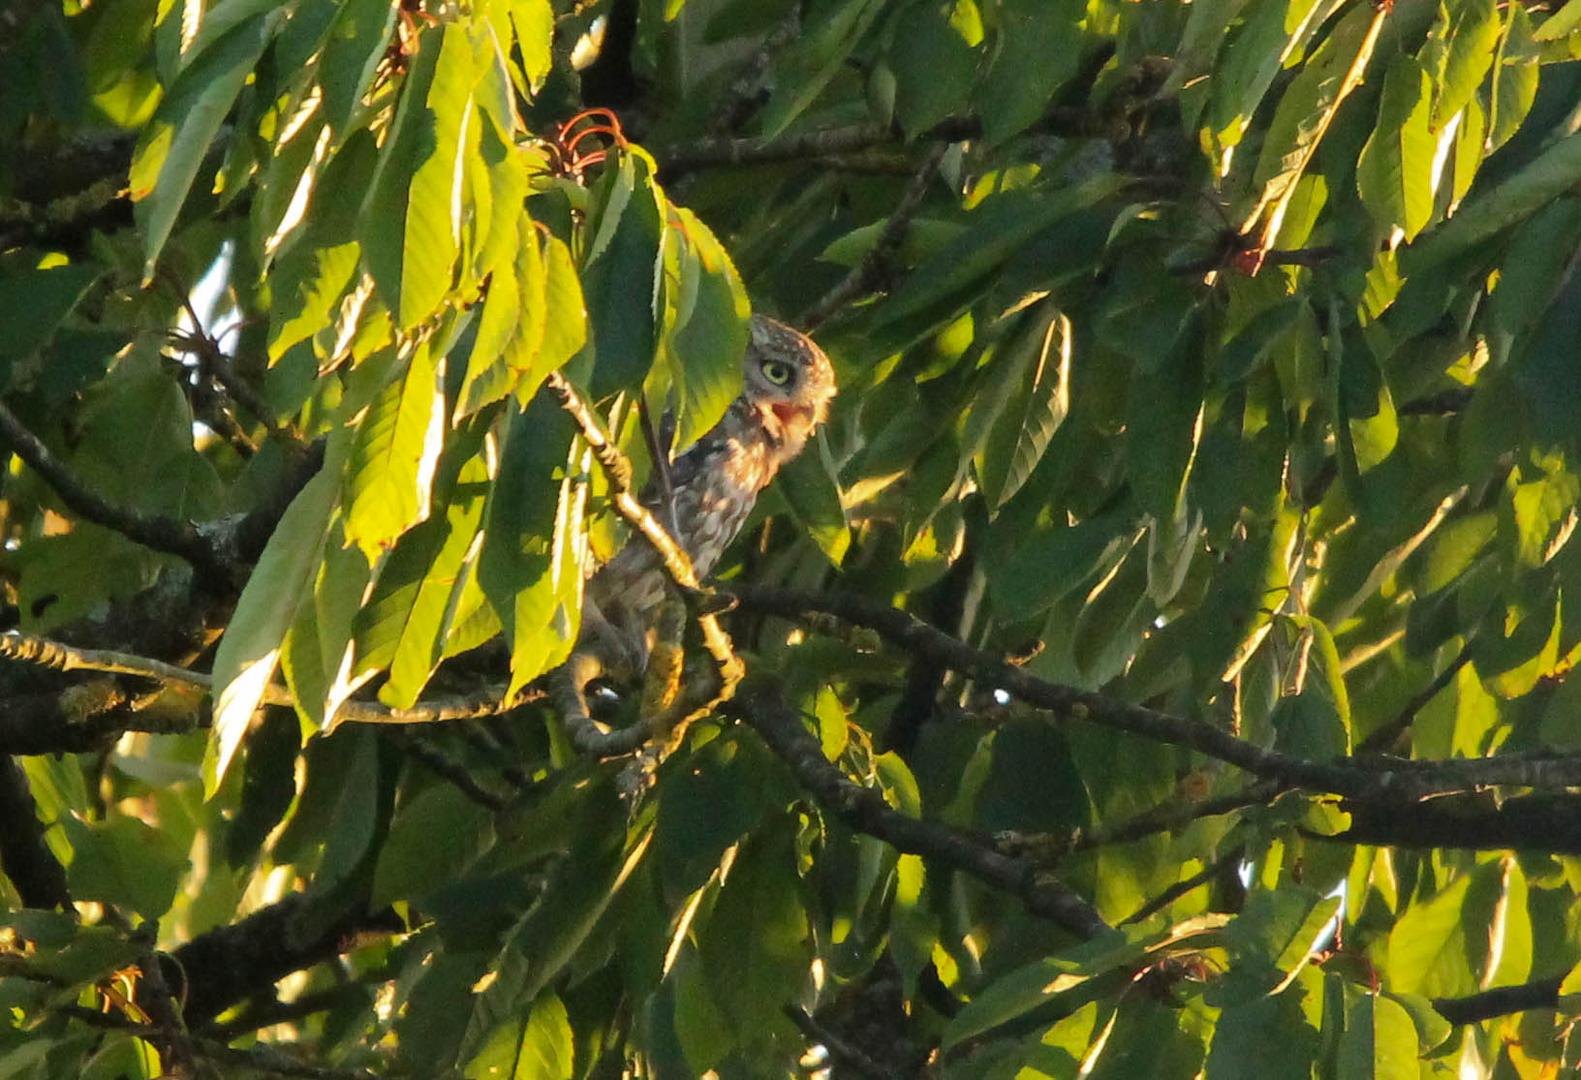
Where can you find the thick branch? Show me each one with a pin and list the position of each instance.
(1379, 780)
(169, 535)
(80, 718)
(864, 809)
(1543, 822)
(24, 857)
(1500, 1001)
(215, 970)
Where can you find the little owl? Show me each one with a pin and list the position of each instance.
(787, 386)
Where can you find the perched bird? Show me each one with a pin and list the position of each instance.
(787, 384)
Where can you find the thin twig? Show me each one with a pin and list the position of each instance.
(452, 772)
(1386, 734)
(1172, 816)
(176, 1048)
(842, 1051)
(44, 652)
(659, 454)
(683, 157)
(169, 535)
(1181, 888)
(874, 267)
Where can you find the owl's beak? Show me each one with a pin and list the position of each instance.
(789, 413)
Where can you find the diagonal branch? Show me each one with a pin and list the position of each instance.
(677, 563)
(169, 535)
(864, 809)
(874, 267)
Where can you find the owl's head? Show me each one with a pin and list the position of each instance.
(788, 380)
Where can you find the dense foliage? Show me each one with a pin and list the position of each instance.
(1156, 668)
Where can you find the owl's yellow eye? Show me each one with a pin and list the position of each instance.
(776, 372)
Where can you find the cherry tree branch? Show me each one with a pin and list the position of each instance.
(1378, 779)
(865, 810)
(169, 535)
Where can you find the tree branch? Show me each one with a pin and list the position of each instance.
(1500, 1001)
(714, 151)
(864, 809)
(1378, 780)
(168, 535)
(1181, 888)
(1540, 822)
(874, 267)
(24, 857)
(1385, 735)
(217, 969)
(44, 652)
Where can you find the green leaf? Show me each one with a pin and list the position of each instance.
(757, 940)
(422, 592)
(1164, 430)
(1266, 41)
(710, 336)
(1440, 946)
(33, 303)
(534, 548)
(317, 657)
(815, 59)
(1394, 174)
(434, 208)
(125, 862)
(1560, 23)
(809, 485)
(173, 146)
(1038, 403)
(510, 328)
(533, 21)
(622, 277)
(390, 473)
(350, 58)
(1049, 563)
(1264, 1038)
(1514, 80)
(411, 141)
(249, 652)
(1473, 40)
(933, 60)
(543, 1047)
(1302, 116)
(1551, 174)
(1379, 1041)
(941, 287)
(1036, 49)
(1271, 941)
(433, 838)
